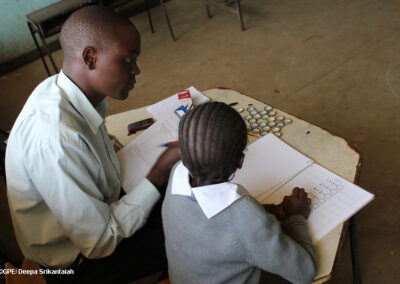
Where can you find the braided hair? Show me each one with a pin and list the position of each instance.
(212, 138)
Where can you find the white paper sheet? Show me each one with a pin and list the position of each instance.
(265, 167)
(138, 157)
(333, 199)
(272, 169)
(170, 104)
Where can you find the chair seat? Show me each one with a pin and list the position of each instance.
(50, 19)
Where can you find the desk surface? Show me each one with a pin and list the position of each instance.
(328, 150)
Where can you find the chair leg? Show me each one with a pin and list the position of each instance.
(239, 9)
(39, 50)
(167, 18)
(208, 10)
(48, 53)
(354, 251)
(149, 16)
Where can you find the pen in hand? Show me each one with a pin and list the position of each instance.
(170, 144)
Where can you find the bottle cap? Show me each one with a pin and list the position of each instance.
(276, 129)
(279, 118)
(250, 109)
(264, 117)
(254, 125)
(264, 133)
(262, 124)
(253, 120)
(280, 124)
(268, 108)
(279, 134)
(287, 121)
(256, 116)
(254, 112)
(272, 124)
(263, 112)
(247, 117)
(271, 118)
(240, 109)
(272, 113)
(256, 130)
(266, 128)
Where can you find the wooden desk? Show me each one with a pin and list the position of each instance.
(328, 150)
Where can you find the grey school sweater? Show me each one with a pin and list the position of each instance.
(234, 245)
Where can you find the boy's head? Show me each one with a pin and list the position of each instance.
(212, 138)
(100, 50)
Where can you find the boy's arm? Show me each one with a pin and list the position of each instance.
(288, 252)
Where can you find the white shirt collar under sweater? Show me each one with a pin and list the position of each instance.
(212, 199)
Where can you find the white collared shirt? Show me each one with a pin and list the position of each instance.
(63, 179)
(212, 198)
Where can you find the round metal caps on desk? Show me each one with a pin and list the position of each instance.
(254, 125)
(254, 112)
(264, 133)
(256, 131)
(287, 121)
(279, 118)
(263, 112)
(271, 118)
(250, 109)
(279, 134)
(272, 113)
(272, 124)
(276, 129)
(262, 124)
(266, 128)
(256, 116)
(240, 109)
(280, 124)
(253, 120)
(268, 108)
(247, 117)
(264, 117)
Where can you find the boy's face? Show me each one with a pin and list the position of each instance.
(116, 66)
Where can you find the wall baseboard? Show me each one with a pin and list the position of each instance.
(23, 59)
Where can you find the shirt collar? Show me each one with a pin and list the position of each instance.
(81, 103)
(212, 199)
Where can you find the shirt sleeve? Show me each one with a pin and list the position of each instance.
(66, 176)
(288, 252)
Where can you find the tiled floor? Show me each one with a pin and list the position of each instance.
(333, 63)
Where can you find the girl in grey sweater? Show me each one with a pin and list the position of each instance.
(214, 231)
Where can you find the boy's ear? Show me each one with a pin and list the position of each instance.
(89, 57)
(240, 164)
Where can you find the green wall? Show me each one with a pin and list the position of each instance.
(15, 38)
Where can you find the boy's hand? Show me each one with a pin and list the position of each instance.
(297, 203)
(159, 174)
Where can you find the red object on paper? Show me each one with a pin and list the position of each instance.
(184, 95)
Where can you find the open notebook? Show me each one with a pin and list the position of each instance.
(271, 169)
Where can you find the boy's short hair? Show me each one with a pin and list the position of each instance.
(89, 26)
(212, 138)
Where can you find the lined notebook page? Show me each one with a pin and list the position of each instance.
(333, 199)
(271, 170)
(269, 163)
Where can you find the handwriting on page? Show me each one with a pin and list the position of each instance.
(333, 199)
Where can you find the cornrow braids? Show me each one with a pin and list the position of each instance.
(212, 138)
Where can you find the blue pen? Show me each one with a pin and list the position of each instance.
(170, 144)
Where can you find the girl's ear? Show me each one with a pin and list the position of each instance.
(241, 161)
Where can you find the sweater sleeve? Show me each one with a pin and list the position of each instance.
(286, 251)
